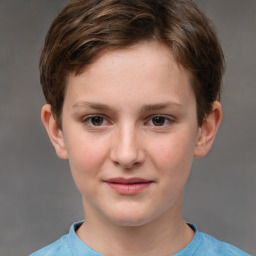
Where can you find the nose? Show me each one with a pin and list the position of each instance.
(127, 151)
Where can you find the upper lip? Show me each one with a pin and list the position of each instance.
(121, 180)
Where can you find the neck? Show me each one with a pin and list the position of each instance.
(165, 235)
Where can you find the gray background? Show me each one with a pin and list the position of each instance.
(38, 200)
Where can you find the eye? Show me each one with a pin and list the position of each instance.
(160, 121)
(95, 120)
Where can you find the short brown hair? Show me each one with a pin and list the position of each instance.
(86, 28)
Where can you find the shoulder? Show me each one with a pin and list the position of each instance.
(212, 246)
(204, 244)
(58, 248)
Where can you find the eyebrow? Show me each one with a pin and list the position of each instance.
(145, 108)
(96, 106)
(160, 106)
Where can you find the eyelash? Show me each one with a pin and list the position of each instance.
(88, 120)
(166, 121)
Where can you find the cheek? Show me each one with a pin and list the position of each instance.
(173, 155)
(86, 157)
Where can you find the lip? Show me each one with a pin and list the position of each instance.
(131, 186)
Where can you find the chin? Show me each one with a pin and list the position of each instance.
(130, 219)
(130, 222)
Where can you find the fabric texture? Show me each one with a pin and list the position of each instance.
(201, 245)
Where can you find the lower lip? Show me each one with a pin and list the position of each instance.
(128, 189)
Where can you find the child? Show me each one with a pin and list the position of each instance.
(132, 90)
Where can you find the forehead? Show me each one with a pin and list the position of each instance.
(140, 69)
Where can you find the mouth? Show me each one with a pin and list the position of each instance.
(131, 186)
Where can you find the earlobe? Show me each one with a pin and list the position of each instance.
(208, 130)
(54, 133)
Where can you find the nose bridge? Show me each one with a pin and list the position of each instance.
(127, 150)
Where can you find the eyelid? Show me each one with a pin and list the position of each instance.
(169, 119)
(85, 120)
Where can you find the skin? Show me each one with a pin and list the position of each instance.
(132, 113)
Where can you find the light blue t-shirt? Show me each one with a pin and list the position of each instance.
(201, 245)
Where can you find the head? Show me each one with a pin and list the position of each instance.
(132, 90)
(86, 29)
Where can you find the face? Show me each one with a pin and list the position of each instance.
(129, 130)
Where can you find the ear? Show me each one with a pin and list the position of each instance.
(54, 133)
(208, 130)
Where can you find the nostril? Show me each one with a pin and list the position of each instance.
(127, 165)
(116, 163)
